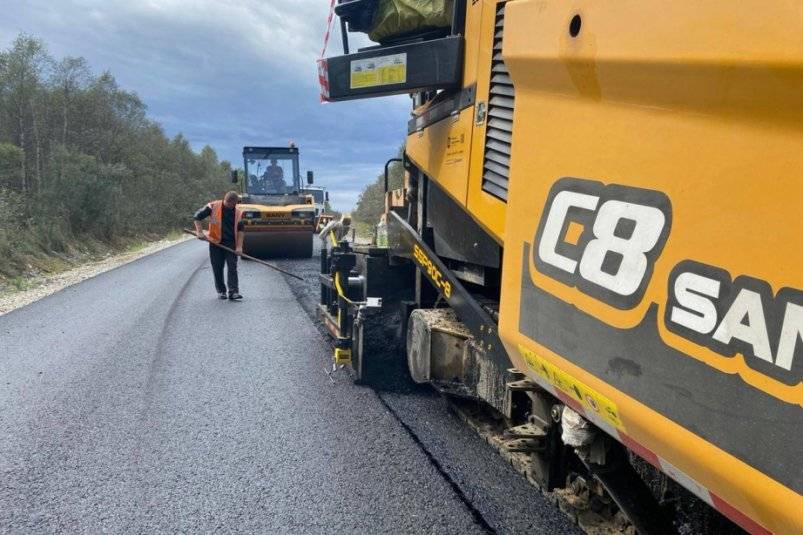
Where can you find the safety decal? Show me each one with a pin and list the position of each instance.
(591, 400)
(432, 271)
(384, 70)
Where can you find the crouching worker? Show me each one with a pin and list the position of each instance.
(225, 228)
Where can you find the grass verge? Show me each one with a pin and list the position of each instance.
(28, 257)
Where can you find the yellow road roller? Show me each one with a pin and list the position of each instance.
(279, 218)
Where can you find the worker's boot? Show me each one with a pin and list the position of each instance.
(222, 295)
(234, 296)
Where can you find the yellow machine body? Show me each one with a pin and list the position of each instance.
(652, 227)
(274, 231)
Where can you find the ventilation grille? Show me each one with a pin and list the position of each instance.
(499, 130)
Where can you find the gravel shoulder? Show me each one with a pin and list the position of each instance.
(50, 284)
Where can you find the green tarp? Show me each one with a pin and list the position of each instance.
(398, 17)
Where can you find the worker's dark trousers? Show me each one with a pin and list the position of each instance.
(219, 257)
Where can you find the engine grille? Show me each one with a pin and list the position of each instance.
(499, 130)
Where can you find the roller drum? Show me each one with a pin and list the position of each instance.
(279, 244)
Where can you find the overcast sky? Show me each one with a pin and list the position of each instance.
(226, 73)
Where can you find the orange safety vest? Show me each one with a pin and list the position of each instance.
(215, 232)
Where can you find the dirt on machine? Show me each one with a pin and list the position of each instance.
(278, 216)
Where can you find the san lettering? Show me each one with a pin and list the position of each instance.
(738, 316)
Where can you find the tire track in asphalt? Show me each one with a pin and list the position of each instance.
(304, 301)
(479, 518)
(93, 374)
(157, 362)
(486, 514)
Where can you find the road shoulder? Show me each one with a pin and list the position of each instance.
(50, 284)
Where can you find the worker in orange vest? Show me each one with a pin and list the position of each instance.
(225, 228)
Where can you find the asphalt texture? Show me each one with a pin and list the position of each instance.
(137, 402)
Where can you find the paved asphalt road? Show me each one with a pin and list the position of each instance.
(136, 402)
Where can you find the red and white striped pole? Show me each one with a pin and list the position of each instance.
(323, 75)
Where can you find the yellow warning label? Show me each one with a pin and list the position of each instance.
(592, 401)
(342, 356)
(384, 70)
(455, 146)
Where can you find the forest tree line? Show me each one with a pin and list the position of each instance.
(371, 202)
(81, 164)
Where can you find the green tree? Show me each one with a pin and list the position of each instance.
(23, 68)
(11, 158)
(371, 203)
(71, 76)
(81, 162)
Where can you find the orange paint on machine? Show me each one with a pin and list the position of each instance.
(619, 227)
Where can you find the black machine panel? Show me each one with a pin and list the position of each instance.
(456, 235)
(499, 132)
(405, 68)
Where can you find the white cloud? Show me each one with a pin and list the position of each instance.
(344, 200)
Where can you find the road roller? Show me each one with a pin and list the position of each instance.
(278, 216)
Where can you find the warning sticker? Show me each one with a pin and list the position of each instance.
(591, 400)
(384, 70)
(455, 147)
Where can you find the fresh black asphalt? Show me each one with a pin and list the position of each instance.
(137, 402)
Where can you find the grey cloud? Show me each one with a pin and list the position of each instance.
(226, 73)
